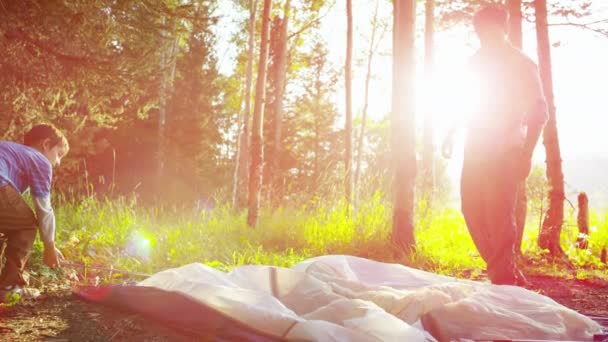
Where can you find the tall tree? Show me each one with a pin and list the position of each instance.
(311, 139)
(375, 38)
(281, 75)
(549, 237)
(242, 152)
(403, 122)
(195, 164)
(348, 125)
(257, 132)
(290, 34)
(515, 21)
(428, 153)
(167, 66)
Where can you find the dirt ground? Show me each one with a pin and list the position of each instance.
(59, 316)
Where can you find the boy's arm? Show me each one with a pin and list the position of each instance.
(46, 218)
(41, 174)
(46, 222)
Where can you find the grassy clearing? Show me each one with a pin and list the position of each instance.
(122, 234)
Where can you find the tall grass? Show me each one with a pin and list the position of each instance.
(123, 234)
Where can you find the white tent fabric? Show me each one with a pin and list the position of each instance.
(346, 298)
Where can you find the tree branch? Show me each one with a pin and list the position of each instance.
(62, 57)
(311, 23)
(85, 60)
(586, 26)
(180, 12)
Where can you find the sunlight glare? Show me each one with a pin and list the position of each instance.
(451, 96)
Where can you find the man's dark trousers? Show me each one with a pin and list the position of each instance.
(489, 187)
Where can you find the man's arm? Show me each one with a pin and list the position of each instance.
(448, 143)
(536, 114)
(536, 110)
(536, 123)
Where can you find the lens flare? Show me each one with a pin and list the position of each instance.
(138, 246)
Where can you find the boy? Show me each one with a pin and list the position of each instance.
(500, 140)
(22, 167)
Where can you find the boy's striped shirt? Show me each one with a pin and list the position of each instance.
(25, 167)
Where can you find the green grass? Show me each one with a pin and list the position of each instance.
(126, 236)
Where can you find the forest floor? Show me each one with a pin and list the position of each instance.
(58, 315)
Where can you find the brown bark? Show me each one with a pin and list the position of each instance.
(549, 237)
(317, 115)
(583, 221)
(348, 127)
(403, 125)
(317, 168)
(162, 120)
(168, 63)
(257, 131)
(280, 93)
(428, 153)
(515, 21)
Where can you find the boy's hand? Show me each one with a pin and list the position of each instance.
(52, 257)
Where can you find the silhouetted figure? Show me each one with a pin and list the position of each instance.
(501, 135)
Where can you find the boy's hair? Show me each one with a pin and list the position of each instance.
(39, 133)
(492, 15)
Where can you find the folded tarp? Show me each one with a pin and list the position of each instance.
(345, 298)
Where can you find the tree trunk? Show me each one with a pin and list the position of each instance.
(317, 115)
(162, 114)
(257, 132)
(552, 225)
(167, 65)
(275, 182)
(428, 152)
(582, 221)
(242, 157)
(316, 168)
(368, 77)
(521, 206)
(348, 126)
(403, 125)
(515, 20)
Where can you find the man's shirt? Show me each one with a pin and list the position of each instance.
(510, 98)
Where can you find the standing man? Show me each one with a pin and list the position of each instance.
(501, 136)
